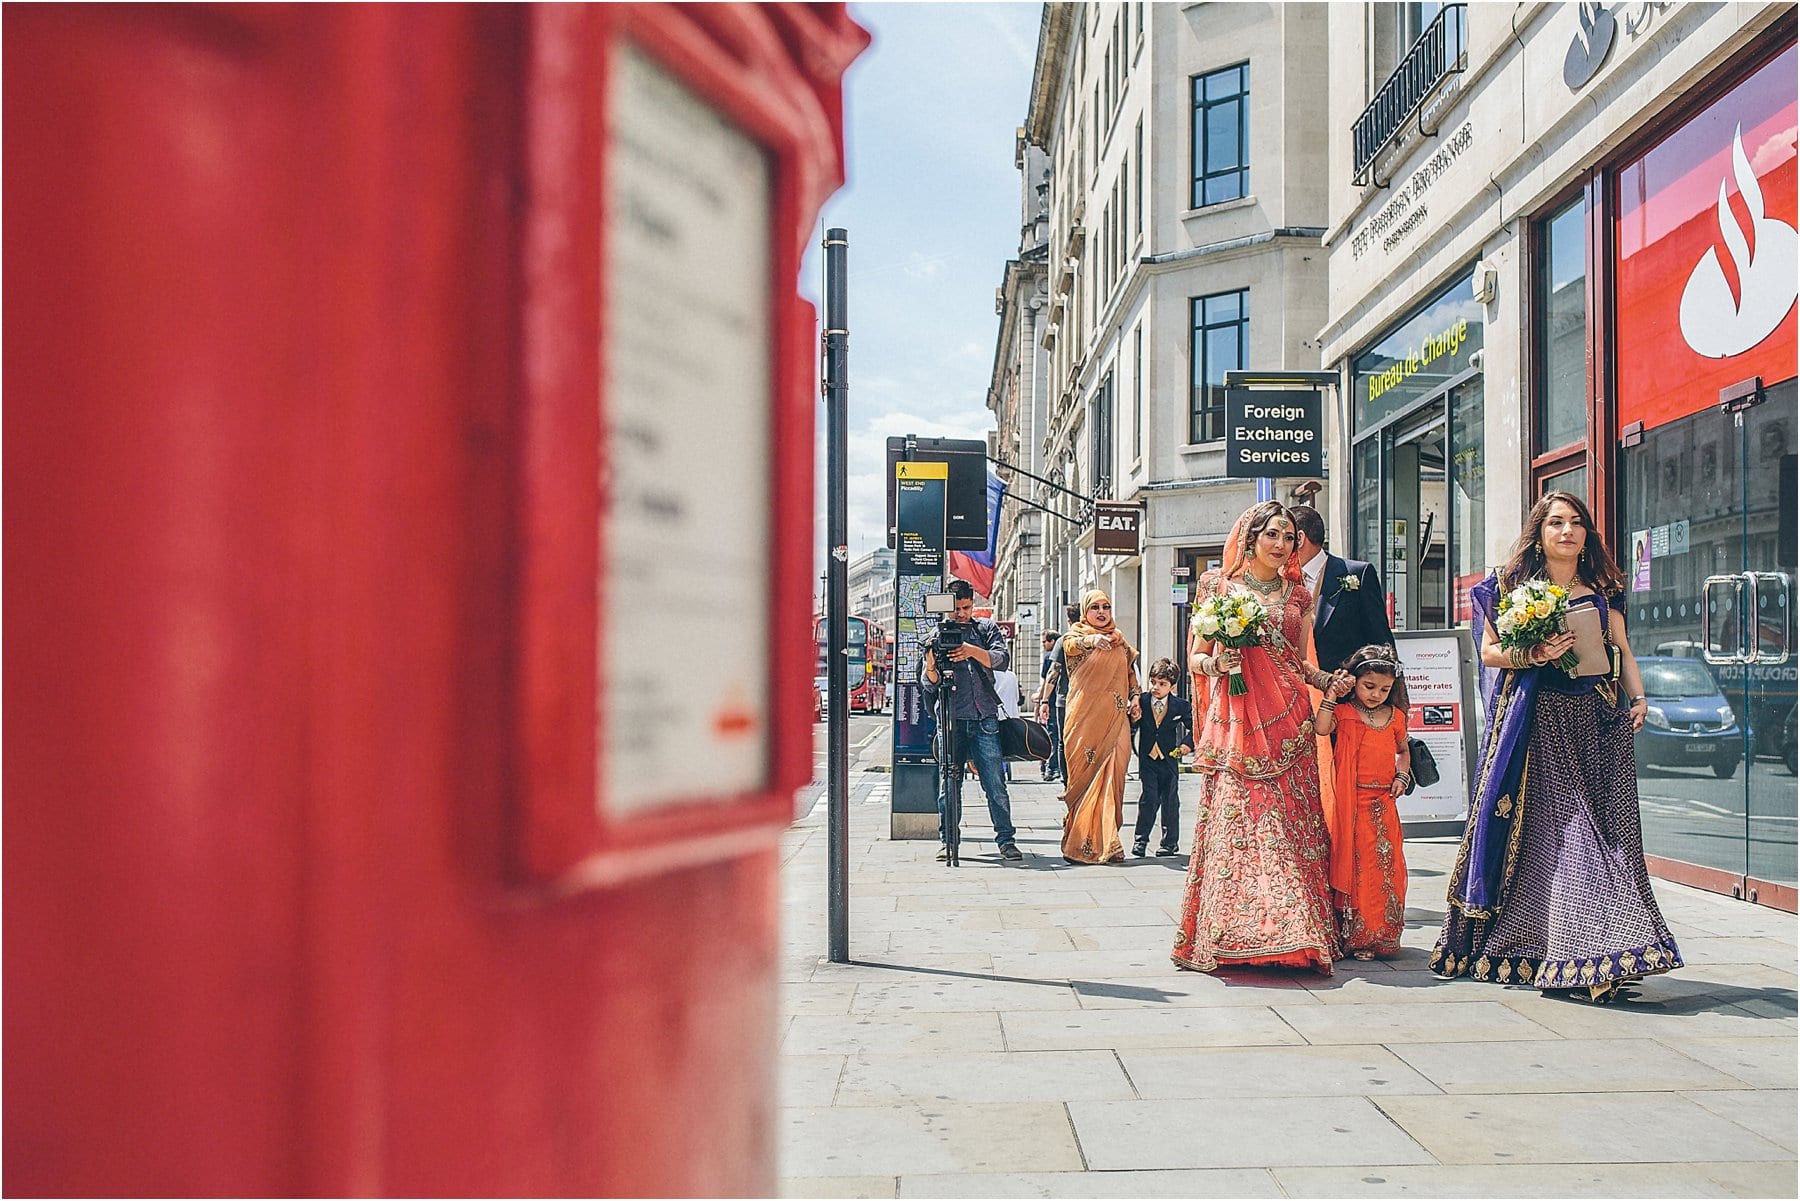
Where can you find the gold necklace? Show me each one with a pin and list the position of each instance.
(1259, 587)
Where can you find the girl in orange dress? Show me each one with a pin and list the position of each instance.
(1372, 768)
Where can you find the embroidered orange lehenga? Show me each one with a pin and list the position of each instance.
(1096, 746)
(1368, 866)
(1257, 885)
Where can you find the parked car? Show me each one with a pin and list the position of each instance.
(1689, 722)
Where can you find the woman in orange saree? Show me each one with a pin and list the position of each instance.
(1257, 886)
(1102, 671)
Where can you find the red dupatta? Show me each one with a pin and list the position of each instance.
(1260, 733)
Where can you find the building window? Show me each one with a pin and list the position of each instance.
(1100, 439)
(1221, 136)
(1137, 393)
(1137, 208)
(1573, 480)
(1561, 413)
(1221, 343)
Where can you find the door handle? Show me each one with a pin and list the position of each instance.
(1706, 611)
(1784, 585)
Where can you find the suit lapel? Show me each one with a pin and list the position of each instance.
(1335, 570)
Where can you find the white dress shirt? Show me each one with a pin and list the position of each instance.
(1312, 569)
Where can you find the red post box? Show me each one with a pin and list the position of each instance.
(391, 797)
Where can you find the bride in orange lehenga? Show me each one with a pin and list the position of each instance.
(1258, 891)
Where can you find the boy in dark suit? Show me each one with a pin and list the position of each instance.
(1164, 735)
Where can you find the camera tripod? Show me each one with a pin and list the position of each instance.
(950, 768)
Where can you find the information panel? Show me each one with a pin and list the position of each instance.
(918, 570)
(1440, 690)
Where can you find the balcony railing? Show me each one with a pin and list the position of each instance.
(1438, 53)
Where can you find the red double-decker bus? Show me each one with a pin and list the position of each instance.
(867, 666)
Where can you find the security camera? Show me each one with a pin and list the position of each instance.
(1484, 281)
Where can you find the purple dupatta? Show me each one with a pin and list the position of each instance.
(1494, 803)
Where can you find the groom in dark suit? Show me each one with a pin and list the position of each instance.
(1351, 610)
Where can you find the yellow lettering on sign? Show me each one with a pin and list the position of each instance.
(1448, 343)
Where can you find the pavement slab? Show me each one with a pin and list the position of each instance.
(1239, 1132)
(1271, 1072)
(1630, 1065)
(1019, 1076)
(1143, 1028)
(1693, 1016)
(1543, 1180)
(924, 1034)
(810, 996)
(1093, 917)
(839, 1186)
(1217, 1182)
(809, 1079)
(1751, 1060)
(926, 1136)
(957, 992)
(1572, 1127)
(1410, 1022)
(1769, 1114)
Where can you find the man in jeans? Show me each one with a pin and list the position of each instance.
(975, 727)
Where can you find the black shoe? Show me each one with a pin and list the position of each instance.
(1009, 851)
(1137, 850)
(1161, 851)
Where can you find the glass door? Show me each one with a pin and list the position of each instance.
(1418, 520)
(1709, 557)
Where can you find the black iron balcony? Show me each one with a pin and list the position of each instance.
(1438, 53)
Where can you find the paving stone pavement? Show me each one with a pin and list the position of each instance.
(1017, 1030)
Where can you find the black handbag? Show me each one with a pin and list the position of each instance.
(1424, 766)
(1022, 740)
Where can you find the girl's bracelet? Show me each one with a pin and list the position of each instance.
(1328, 703)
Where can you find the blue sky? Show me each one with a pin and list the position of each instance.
(932, 209)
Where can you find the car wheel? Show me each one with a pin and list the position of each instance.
(1725, 766)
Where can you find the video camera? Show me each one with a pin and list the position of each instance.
(947, 635)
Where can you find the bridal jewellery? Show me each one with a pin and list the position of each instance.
(1260, 587)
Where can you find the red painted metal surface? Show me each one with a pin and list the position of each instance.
(298, 309)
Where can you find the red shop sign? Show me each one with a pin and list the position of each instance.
(1709, 255)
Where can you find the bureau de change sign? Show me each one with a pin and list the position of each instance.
(1274, 432)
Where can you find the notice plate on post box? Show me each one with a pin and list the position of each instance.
(685, 481)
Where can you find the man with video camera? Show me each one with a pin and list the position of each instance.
(975, 650)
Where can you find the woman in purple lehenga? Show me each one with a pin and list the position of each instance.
(1550, 886)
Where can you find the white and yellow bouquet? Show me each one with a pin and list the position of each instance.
(1235, 619)
(1534, 611)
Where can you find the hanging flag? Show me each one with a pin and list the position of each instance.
(977, 567)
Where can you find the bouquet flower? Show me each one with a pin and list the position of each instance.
(1235, 619)
(1532, 612)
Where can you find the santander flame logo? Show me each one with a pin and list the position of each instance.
(1719, 321)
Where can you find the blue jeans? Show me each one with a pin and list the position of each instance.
(978, 741)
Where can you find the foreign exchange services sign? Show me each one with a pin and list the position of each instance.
(1273, 432)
